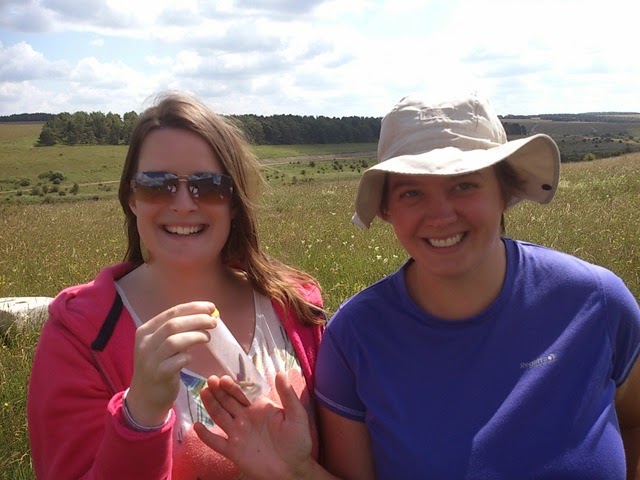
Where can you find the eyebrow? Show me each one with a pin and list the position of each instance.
(410, 180)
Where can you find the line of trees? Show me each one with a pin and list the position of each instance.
(82, 128)
(296, 129)
(26, 117)
(96, 128)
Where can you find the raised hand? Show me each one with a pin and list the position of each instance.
(161, 351)
(265, 440)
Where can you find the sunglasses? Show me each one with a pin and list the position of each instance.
(162, 186)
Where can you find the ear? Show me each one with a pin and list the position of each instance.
(133, 204)
(383, 213)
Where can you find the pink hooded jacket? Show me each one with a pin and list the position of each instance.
(81, 368)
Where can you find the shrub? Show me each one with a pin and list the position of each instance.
(53, 176)
(57, 175)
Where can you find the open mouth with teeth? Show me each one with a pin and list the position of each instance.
(446, 242)
(176, 230)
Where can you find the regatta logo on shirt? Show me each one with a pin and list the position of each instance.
(539, 361)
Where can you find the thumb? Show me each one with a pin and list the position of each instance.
(291, 404)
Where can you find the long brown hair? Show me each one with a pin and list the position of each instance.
(268, 276)
(511, 185)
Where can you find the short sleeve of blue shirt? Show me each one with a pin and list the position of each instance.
(624, 325)
(334, 374)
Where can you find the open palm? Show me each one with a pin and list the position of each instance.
(264, 439)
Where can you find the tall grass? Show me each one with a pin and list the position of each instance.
(16, 355)
(44, 248)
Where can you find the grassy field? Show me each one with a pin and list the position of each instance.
(575, 139)
(24, 175)
(306, 222)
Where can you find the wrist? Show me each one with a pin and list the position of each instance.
(141, 425)
(307, 471)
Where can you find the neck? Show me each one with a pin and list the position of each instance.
(171, 286)
(457, 297)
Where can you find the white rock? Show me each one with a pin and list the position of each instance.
(18, 312)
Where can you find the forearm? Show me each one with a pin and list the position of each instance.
(631, 440)
(148, 453)
(76, 427)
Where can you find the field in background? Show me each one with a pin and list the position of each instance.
(92, 172)
(26, 171)
(575, 139)
(305, 222)
(594, 216)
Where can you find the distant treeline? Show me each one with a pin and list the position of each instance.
(611, 117)
(26, 117)
(301, 130)
(97, 128)
(82, 128)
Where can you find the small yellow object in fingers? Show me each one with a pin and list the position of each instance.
(215, 313)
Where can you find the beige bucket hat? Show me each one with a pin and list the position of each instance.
(452, 138)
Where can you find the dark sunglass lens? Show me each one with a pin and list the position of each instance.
(155, 186)
(210, 187)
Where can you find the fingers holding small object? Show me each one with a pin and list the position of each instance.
(188, 323)
(204, 313)
(176, 329)
(180, 342)
(176, 362)
(177, 334)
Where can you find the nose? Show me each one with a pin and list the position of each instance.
(439, 211)
(182, 200)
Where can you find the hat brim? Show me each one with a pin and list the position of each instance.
(536, 160)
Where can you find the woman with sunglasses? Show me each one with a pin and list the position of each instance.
(114, 390)
(482, 357)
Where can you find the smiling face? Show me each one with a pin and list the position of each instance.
(180, 230)
(450, 225)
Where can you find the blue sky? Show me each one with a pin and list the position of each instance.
(318, 57)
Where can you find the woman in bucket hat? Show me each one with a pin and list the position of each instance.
(482, 357)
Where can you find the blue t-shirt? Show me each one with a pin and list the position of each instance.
(522, 390)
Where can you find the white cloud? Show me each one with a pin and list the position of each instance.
(25, 16)
(154, 60)
(322, 57)
(22, 97)
(92, 71)
(21, 62)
